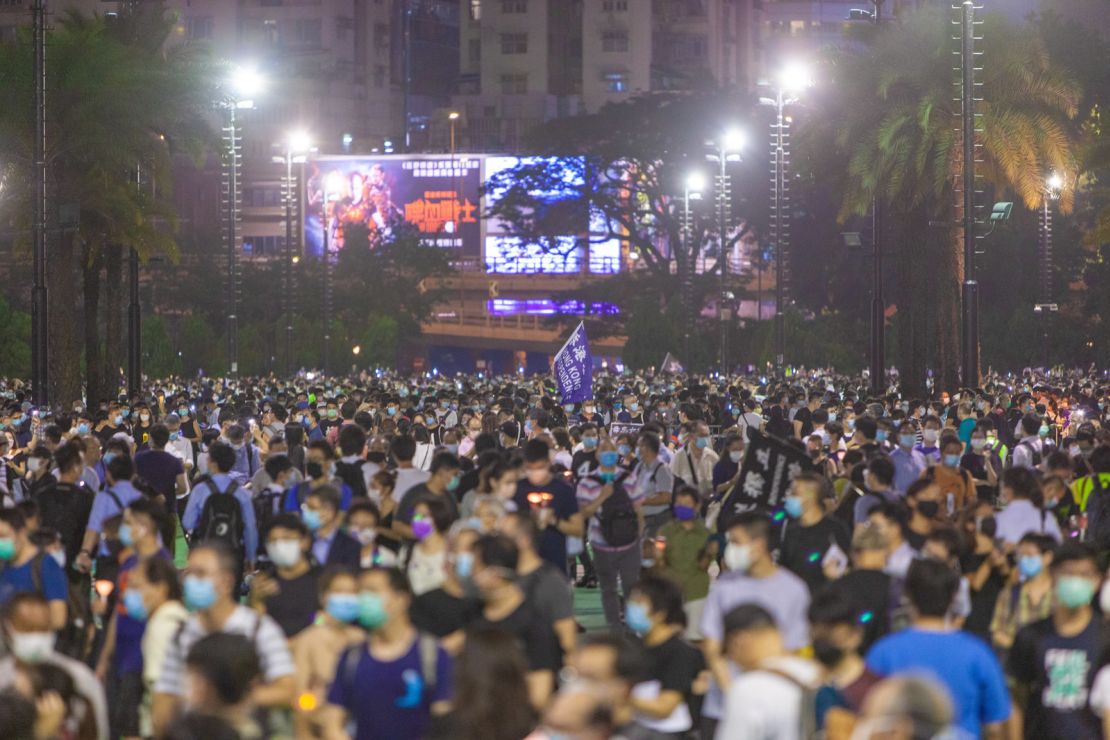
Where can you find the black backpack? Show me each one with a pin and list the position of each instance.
(1098, 514)
(1034, 453)
(617, 516)
(351, 474)
(267, 505)
(221, 518)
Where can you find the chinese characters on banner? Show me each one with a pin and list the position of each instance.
(574, 368)
(617, 428)
(769, 466)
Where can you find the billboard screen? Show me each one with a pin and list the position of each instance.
(437, 194)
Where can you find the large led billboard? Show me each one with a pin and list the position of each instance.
(437, 194)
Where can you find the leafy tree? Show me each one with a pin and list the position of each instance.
(15, 341)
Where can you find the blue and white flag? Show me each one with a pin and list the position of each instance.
(574, 368)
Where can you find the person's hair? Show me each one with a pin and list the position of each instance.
(1058, 459)
(868, 539)
(14, 518)
(328, 576)
(1100, 459)
(351, 439)
(866, 426)
(747, 618)
(222, 455)
(159, 435)
(498, 551)
(756, 524)
(163, 571)
(1030, 423)
(918, 486)
(951, 440)
(228, 663)
(287, 521)
(833, 605)
(385, 479)
(398, 580)
(882, 468)
(68, 456)
(664, 595)
(152, 510)
(17, 716)
(931, 586)
(628, 663)
(689, 492)
(1043, 542)
(324, 447)
(364, 505)
(820, 483)
(525, 526)
(491, 694)
(328, 495)
(440, 513)
(276, 465)
(1074, 552)
(444, 461)
(1023, 482)
(536, 450)
(17, 601)
(226, 558)
(650, 441)
(950, 538)
(403, 448)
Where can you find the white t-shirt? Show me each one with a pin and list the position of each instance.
(762, 705)
(406, 479)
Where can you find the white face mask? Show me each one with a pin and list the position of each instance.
(284, 553)
(738, 557)
(365, 536)
(34, 464)
(930, 435)
(32, 647)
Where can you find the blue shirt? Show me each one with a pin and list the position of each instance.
(19, 579)
(247, 463)
(389, 700)
(105, 507)
(908, 467)
(321, 546)
(200, 495)
(292, 503)
(961, 662)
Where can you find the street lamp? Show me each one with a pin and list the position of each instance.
(244, 85)
(298, 144)
(727, 149)
(1045, 307)
(694, 186)
(792, 80)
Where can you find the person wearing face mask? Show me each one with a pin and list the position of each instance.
(982, 463)
(29, 642)
(442, 485)
(752, 577)
(202, 520)
(552, 503)
(320, 470)
(428, 554)
(956, 485)
(473, 430)
(653, 482)
(141, 430)
(446, 611)
(287, 590)
(879, 483)
(814, 545)
(38, 477)
(27, 569)
(403, 449)
(1024, 510)
(111, 423)
(964, 664)
(930, 437)
(687, 552)
(365, 524)
(159, 467)
(247, 457)
(153, 597)
(837, 628)
(1030, 599)
(209, 593)
(330, 545)
(924, 500)
(1029, 452)
(726, 473)
(585, 456)
(695, 462)
(1053, 662)
(389, 684)
(662, 695)
(67, 506)
(317, 648)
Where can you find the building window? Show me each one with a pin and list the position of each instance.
(514, 84)
(614, 40)
(302, 32)
(264, 246)
(198, 28)
(343, 26)
(474, 51)
(509, 7)
(616, 81)
(475, 10)
(615, 6)
(514, 43)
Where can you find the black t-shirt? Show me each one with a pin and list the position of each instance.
(871, 591)
(294, 605)
(674, 663)
(553, 543)
(804, 548)
(983, 600)
(589, 459)
(535, 638)
(439, 613)
(805, 417)
(1059, 672)
(66, 508)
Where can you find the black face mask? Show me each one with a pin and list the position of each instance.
(376, 457)
(314, 469)
(928, 509)
(827, 653)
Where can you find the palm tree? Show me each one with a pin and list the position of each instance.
(890, 119)
(118, 99)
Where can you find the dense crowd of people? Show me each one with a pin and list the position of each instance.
(387, 557)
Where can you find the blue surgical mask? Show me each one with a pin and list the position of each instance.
(311, 519)
(702, 442)
(636, 616)
(82, 429)
(952, 461)
(624, 450)
(342, 607)
(464, 564)
(609, 458)
(832, 416)
(1029, 566)
(793, 506)
(685, 513)
(199, 593)
(126, 537)
(133, 604)
(589, 443)
(906, 441)
(371, 610)
(881, 435)
(453, 484)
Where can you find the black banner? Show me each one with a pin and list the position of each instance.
(769, 465)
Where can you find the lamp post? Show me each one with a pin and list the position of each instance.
(970, 294)
(727, 150)
(1053, 187)
(693, 188)
(245, 84)
(39, 329)
(793, 79)
(297, 146)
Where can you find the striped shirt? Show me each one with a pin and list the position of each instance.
(263, 632)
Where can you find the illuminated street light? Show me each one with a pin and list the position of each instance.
(247, 83)
(795, 77)
(727, 149)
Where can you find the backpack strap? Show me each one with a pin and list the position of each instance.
(112, 494)
(429, 655)
(250, 458)
(36, 571)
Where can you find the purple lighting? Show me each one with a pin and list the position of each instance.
(545, 307)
